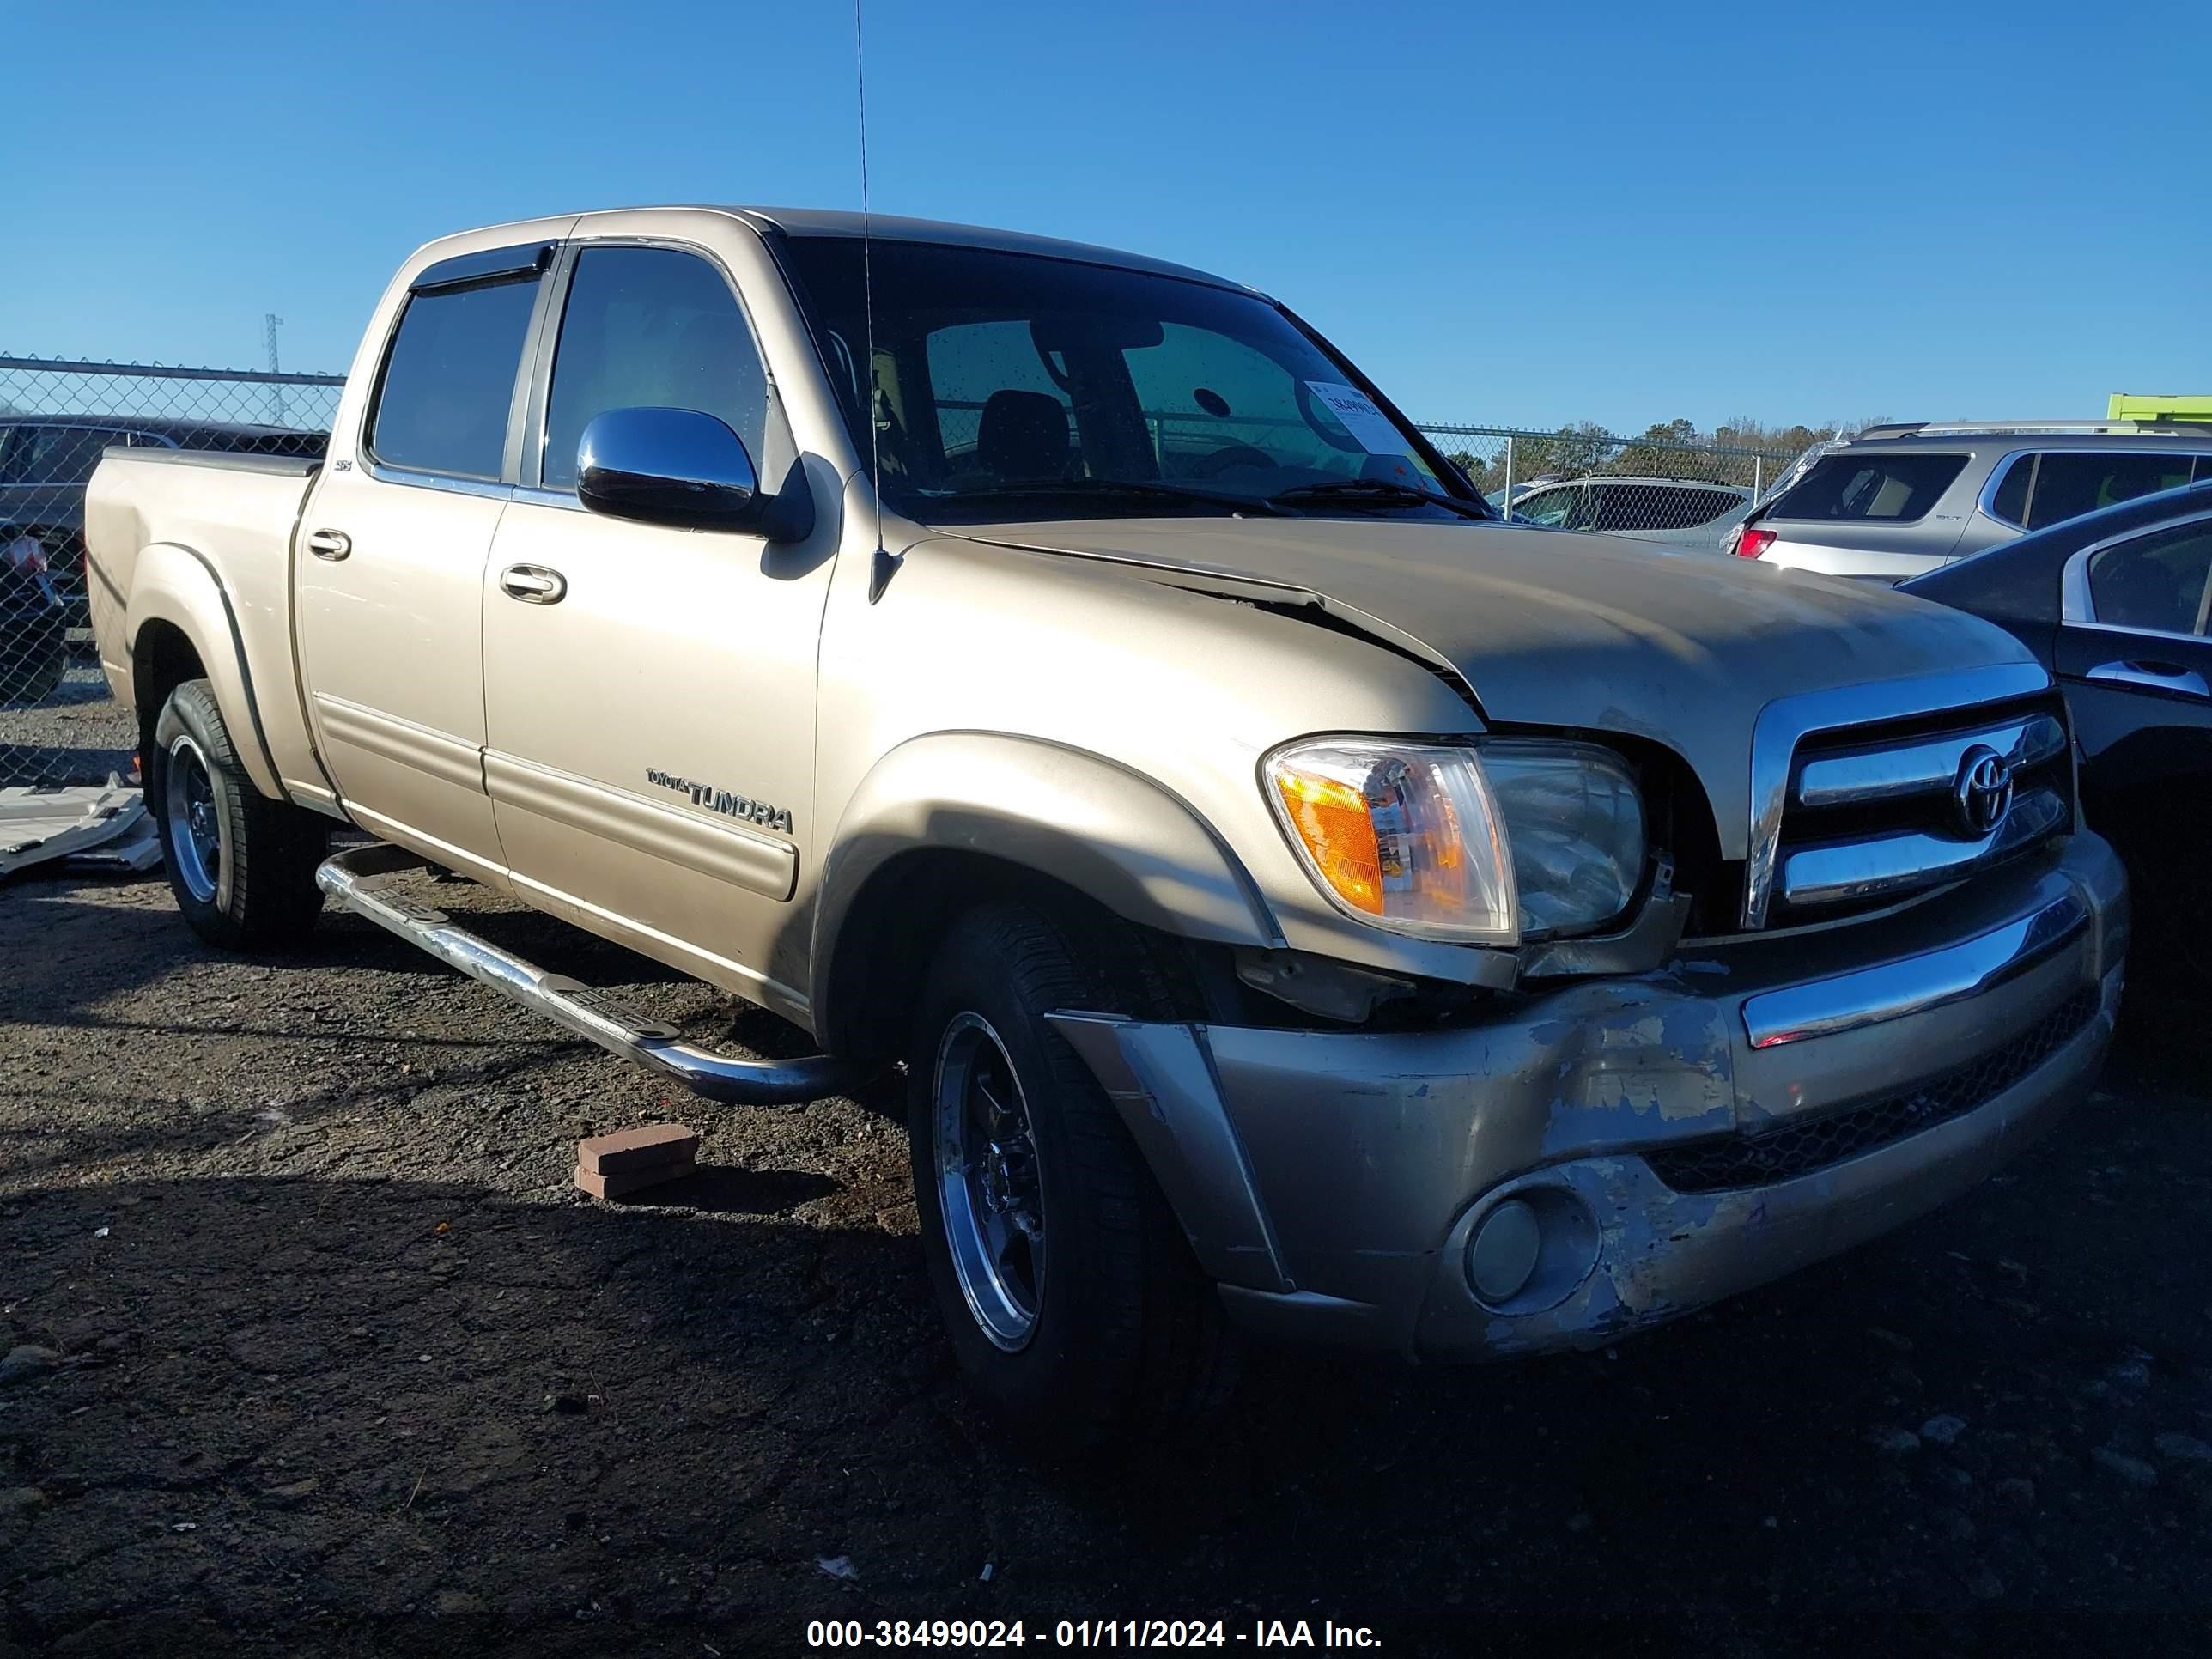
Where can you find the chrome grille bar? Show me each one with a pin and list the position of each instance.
(1784, 722)
(1839, 871)
(1922, 768)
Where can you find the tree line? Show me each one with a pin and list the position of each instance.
(1666, 449)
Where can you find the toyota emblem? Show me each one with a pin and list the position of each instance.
(1982, 793)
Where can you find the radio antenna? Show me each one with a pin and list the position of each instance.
(881, 563)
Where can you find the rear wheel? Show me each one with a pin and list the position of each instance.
(242, 866)
(1070, 1294)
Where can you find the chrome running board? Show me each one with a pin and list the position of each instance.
(360, 879)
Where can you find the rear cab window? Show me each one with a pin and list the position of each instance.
(447, 387)
(1882, 489)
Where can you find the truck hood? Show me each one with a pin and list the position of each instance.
(1555, 629)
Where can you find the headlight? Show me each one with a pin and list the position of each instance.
(1490, 842)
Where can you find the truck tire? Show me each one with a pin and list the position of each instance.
(242, 865)
(1074, 1306)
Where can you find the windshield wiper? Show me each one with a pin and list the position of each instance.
(1375, 492)
(1085, 489)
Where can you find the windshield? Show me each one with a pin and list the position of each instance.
(1014, 385)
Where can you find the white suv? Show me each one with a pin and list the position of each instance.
(1897, 502)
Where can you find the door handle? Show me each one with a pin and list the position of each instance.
(2155, 675)
(332, 545)
(533, 584)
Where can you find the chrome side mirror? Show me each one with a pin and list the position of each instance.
(668, 466)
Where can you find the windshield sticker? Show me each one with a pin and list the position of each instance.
(1361, 418)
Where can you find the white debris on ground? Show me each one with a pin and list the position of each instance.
(94, 826)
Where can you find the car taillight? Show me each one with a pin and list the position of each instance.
(1753, 541)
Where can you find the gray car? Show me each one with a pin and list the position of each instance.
(1681, 512)
(1898, 500)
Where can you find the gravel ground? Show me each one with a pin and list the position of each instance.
(335, 1361)
(78, 735)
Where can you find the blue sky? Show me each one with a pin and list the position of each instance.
(1525, 215)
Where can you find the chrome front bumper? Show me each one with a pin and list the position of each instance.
(1679, 1137)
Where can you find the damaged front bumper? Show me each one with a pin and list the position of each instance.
(1613, 1153)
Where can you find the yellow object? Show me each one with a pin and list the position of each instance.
(2157, 406)
(1332, 820)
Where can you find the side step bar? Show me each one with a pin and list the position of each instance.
(358, 879)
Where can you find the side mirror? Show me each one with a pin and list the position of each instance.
(671, 466)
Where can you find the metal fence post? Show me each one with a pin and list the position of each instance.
(58, 723)
(1758, 475)
(1508, 507)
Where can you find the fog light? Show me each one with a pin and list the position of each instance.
(1502, 1253)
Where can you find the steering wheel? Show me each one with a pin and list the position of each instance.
(1213, 465)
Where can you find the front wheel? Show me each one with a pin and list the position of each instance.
(1070, 1294)
(242, 866)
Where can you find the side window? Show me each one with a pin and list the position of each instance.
(449, 379)
(1704, 507)
(63, 454)
(651, 328)
(1892, 487)
(1628, 506)
(2160, 581)
(2069, 485)
(1551, 507)
(2010, 500)
(1659, 507)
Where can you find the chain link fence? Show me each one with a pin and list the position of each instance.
(58, 723)
(1674, 490)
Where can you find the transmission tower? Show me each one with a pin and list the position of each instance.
(276, 387)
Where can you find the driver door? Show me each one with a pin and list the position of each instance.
(649, 692)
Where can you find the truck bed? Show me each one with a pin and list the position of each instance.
(231, 515)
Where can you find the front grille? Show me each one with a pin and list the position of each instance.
(1874, 813)
(1798, 1147)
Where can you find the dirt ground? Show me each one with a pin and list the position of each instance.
(341, 1364)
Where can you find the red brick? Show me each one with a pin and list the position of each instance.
(650, 1147)
(622, 1186)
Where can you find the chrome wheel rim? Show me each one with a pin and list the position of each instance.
(193, 802)
(989, 1186)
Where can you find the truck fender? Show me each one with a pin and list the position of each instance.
(1115, 836)
(176, 585)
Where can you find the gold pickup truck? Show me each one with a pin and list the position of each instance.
(1300, 903)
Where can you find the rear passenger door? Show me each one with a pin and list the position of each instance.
(390, 554)
(650, 691)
